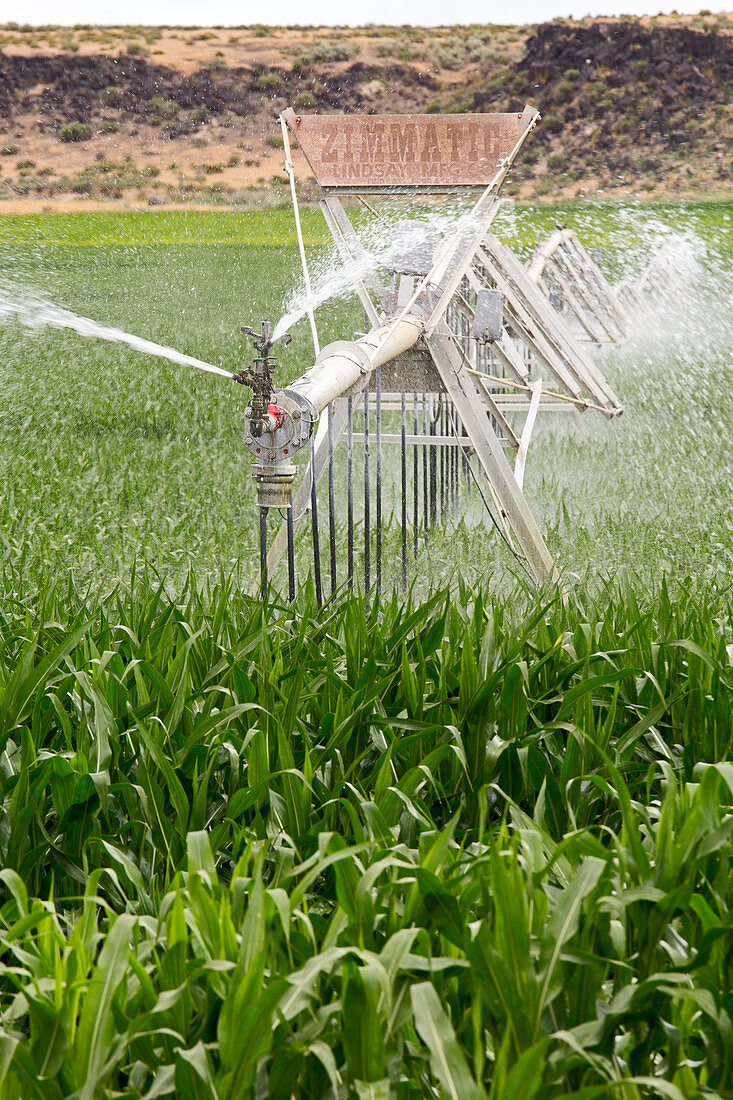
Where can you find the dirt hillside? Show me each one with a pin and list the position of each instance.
(135, 115)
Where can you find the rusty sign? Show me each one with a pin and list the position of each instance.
(419, 152)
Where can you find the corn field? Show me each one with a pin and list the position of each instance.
(468, 841)
(452, 848)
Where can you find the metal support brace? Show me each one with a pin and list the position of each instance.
(514, 507)
(555, 341)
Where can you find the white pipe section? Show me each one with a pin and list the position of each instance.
(536, 266)
(341, 364)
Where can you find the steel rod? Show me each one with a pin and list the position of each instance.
(263, 551)
(443, 502)
(425, 484)
(350, 493)
(314, 526)
(448, 470)
(331, 503)
(453, 465)
(367, 516)
(415, 482)
(466, 461)
(403, 456)
(378, 402)
(433, 474)
(457, 428)
(291, 551)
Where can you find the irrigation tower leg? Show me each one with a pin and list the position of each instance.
(514, 507)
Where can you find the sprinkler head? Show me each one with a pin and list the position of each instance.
(263, 342)
(258, 376)
(275, 424)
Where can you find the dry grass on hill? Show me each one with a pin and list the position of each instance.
(180, 115)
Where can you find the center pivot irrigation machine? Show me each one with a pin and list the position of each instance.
(464, 346)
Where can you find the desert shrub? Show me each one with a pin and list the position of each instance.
(165, 108)
(151, 171)
(486, 56)
(503, 79)
(108, 127)
(551, 123)
(268, 81)
(323, 53)
(112, 95)
(9, 150)
(594, 89)
(82, 185)
(564, 88)
(275, 141)
(200, 114)
(459, 106)
(305, 99)
(26, 164)
(450, 57)
(75, 131)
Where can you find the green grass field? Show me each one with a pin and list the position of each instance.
(473, 841)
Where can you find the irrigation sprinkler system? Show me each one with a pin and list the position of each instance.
(464, 347)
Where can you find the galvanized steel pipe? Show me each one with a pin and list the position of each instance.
(340, 365)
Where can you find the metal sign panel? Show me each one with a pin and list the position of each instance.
(387, 152)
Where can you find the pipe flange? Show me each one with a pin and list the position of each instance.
(290, 427)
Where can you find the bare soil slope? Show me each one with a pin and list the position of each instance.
(190, 115)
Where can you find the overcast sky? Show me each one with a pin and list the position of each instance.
(328, 12)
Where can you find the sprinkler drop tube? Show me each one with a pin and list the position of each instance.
(291, 552)
(331, 504)
(377, 376)
(263, 551)
(367, 499)
(314, 526)
(350, 493)
(403, 467)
